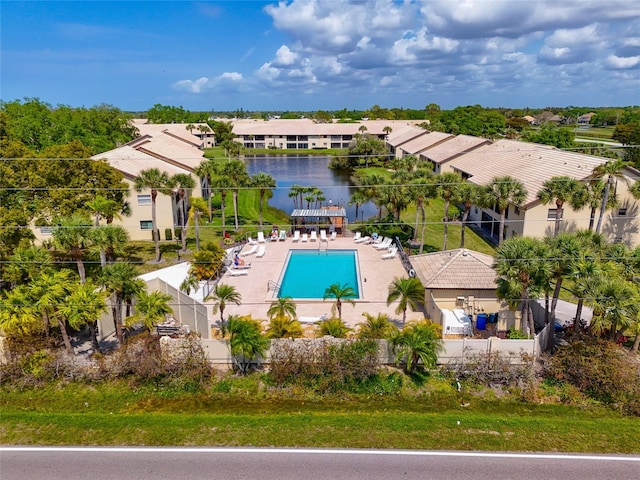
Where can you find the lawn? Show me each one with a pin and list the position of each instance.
(105, 414)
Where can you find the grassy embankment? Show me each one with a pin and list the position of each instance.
(114, 414)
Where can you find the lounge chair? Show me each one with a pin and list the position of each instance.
(357, 236)
(261, 251)
(323, 236)
(333, 236)
(283, 235)
(392, 253)
(261, 237)
(313, 236)
(296, 236)
(234, 273)
(251, 251)
(305, 238)
(364, 239)
(386, 243)
(377, 240)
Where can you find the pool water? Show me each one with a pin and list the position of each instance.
(308, 273)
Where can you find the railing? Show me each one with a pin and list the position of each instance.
(271, 285)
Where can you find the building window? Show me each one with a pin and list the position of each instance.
(291, 138)
(144, 199)
(260, 137)
(260, 145)
(45, 230)
(303, 138)
(552, 214)
(303, 145)
(146, 224)
(292, 146)
(335, 145)
(622, 212)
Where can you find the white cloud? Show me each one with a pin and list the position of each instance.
(192, 86)
(284, 56)
(204, 84)
(623, 62)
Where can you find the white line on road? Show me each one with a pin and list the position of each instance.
(542, 456)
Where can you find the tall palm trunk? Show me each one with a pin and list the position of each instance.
(501, 232)
(446, 224)
(223, 199)
(424, 226)
(605, 200)
(197, 225)
(154, 223)
(465, 215)
(65, 336)
(559, 215)
(576, 323)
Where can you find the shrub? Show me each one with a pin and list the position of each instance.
(326, 365)
(600, 369)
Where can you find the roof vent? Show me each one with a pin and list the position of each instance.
(464, 252)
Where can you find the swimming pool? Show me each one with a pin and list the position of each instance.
(308, 273)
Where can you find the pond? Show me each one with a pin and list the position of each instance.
(308, 171)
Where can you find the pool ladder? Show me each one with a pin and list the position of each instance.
(271, 285)
(326, 248)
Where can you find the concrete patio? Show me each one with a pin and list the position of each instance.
(376, 275)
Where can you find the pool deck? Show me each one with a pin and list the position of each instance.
(376, 274)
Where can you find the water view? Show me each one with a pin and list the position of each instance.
(308, 171)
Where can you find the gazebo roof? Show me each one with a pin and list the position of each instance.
(319, 212)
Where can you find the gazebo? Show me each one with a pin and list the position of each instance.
(327, 218)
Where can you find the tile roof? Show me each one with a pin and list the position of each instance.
(170, 149)
(530, 163)
(176, 130)
(409, 132)
(310, 128)
(455, 269)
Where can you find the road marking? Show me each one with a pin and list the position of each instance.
(416, 453)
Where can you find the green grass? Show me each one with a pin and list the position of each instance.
(111, 414)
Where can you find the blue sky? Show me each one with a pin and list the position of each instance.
(322, 54)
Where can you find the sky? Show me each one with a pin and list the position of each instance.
(309, 55)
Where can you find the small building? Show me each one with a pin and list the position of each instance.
(330, 218)
(463, 280)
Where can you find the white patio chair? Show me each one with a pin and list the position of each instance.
(296, 236)
(251, 251)
(313, 236)
(261, 237)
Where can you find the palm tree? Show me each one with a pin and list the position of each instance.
(341, 293)
(18, 314)
(197, 209)
(282, 307)
(73, 234)
(387, 130)
(156, 181)
(282, 326)
(296, 191)
(49, 294)
(409, 292)
(246, 341)
(110, 241)
(120, 282)
(416, 343)
(371, 186)
(264, 183)
(190, 127)
(182, 183)
(151, 308)
(103, 207)
(376, 327)
(83, 306)
(236, 177)
(333, 327)
(26, 264)
(561, 190)
(357, 199)
(421, 190)
(222, 295)
(204, 129)
(190, 283)
(583, 273)
(609, 172)
(504, 191)
(523, 273)
(448, 185)
(208, 170)
(468, 194)
(615, 303)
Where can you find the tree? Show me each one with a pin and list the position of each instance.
(209, 171)
(282, 307)
(468, 194)
(448, 185)
(282, 326)
(222, 295)
(340, 293)
(371, 186)
(110, 241)
(207, 261)
(83, 305)
(615, 303)
(357, 199)
(246, 341)
(504, 191)
(26, 264)
(120, 282)
(409, 292)
(73, 234)
(523, 273)
(236, 177)
(18, 315)
(156, 181)
(376, 327)
(182, 184)
(151, 308)
(103, 207)
(333, 327)
(264, 183)
(422, 188)
(416, 343)
(562, 189)
(190, 283)
(198, 208)
(629, 135)
(609, 172)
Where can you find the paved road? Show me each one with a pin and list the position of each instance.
(297, 464)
